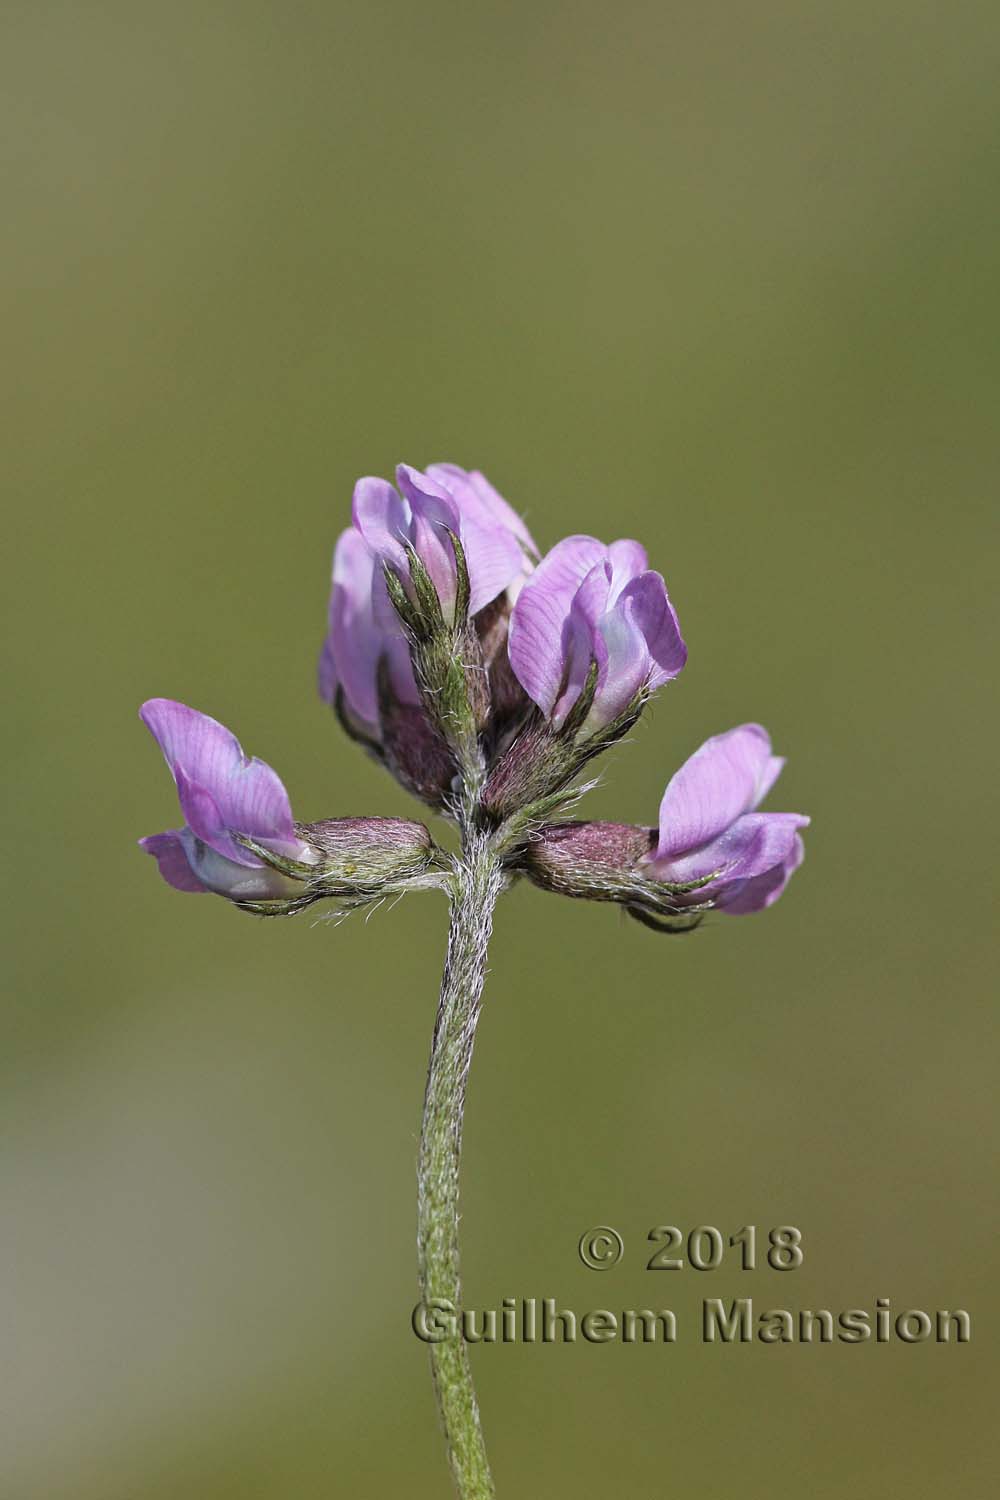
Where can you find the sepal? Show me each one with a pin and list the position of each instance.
(604, 862)
(412, 746)
(354, 860)
(543, 760)
(445, 654)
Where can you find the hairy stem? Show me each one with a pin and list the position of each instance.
(477, 883)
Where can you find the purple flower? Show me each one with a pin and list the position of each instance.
(221, 793)
(358, 638)
(587, 602)
(442, 500)
(709, 825)
(363, 626)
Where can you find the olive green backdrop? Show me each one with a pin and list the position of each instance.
(722, 277)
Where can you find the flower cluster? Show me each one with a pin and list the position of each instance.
(484, 677)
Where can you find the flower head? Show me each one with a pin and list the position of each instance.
(485, 680)
(588, 604)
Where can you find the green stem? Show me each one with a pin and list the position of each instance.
(477, 883)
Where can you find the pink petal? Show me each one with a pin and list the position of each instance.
(493, 554)
(540, 637)
(354, 640)
(434, 499)
(220, 789)
(433, 514)
(206, 748)
(168, 851)
(763, 890)
(204, 818)
(712, 788)
(592, 597)
(753, 845)
(254, 801)
(480, 502)
(495, 559)
(236, 881)
(647, 606)
(628, 560)
(624, 665)
(327, 680)
(583, 641)
(382, 519)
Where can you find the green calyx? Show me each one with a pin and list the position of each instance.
(357, 860)
(447, 661)
(531, 783)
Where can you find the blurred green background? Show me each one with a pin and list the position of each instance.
(722, 277)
